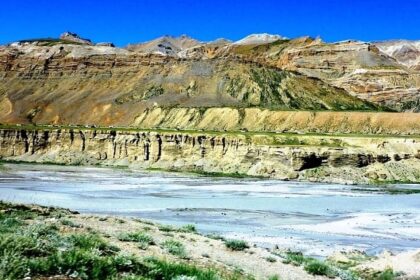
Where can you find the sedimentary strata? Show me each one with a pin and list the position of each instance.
(298, 157)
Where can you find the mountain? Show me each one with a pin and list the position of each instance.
(405, 52)
(166, 45)
(65, 81)
(258, 39)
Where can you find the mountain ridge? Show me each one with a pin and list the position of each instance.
(49, 81)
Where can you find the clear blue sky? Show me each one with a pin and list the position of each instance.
(126, 21)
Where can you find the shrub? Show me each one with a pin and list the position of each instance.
(166, 228)
(188, 228)
(9, 224)
(166, 270)
(270, 259)
(70, 223)
(92, 242)
(175, 247)
(12, 265)
(236, 245)
(387, 274)
(295, 258)
(317, 268)
(136, 237)
(142, 238)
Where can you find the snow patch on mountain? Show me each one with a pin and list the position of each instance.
(262, 38)
(404, 51)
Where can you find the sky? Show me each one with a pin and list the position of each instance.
(124, 21)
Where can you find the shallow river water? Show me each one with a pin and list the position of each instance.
(315, 218)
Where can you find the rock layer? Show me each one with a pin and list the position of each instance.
(57, 81)
(314, 158)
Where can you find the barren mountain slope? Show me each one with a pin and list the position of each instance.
(66, 82)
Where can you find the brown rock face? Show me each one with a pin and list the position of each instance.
(362, 69)
(73, 82)
(356, 160)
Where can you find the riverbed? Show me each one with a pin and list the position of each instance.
(317, 219)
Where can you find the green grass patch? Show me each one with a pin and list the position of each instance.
(387, 274)
(188, 228)
(295, 258)
(142, 238)
(167, 228)
(69, 223)
(175, 248)
(167, 270)
(316, 267)
(236, 245)
(170, 229)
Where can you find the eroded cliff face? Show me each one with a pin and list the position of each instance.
(313, 158)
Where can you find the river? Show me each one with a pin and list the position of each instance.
(317, 219)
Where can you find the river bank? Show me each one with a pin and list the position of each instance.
(69, 245)
(267, 212)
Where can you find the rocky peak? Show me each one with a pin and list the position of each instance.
(73, 37)
(166, 45)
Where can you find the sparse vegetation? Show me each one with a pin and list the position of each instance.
(188, 228)
(313, 266)
(175, 248)
(316, 267)
(69, 223)
(142, 238)
(37, 242)
(387, 274)
(32, 244)
(166, 228)
(216, 236)
(140, 93)
(185, 229)
(236, 245)
(295, 258)
(271, 259)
